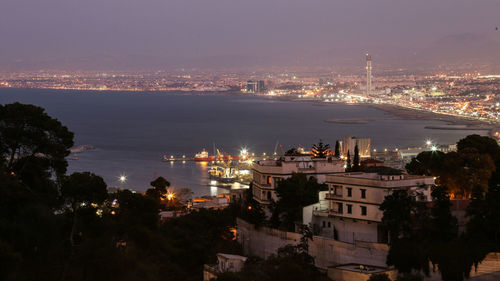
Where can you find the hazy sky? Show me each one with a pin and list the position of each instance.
(59, 33)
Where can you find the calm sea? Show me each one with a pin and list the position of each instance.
(132, 131)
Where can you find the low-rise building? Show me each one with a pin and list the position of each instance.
(350, 210)
(225, 263)
(268, 173)
(358, 272)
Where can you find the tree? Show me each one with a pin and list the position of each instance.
(445, 249)
(355, 161)
(402, 215)
(426, 163)
(28, 135)
(159, 189)
(294, 193)
(82, 191)
(483, 226)
(348, 162)
(289, 263)
(484, 145)
(461, 171)
(320, 150)
(337, 149)
(292, 152)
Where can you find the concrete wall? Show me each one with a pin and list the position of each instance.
(265, 241)
(347, 230)
(327, 252)
(345, 275)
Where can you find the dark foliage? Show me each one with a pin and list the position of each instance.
(294, 193)
(337, 149)
(57, 227)
(320, 150)
(472, 165)
(291, 263)
(355, 160)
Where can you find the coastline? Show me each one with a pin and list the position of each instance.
(455, 122)
(396, 112)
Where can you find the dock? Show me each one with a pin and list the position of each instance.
(173, 158)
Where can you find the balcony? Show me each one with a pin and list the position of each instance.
(262, 185)
(333, 196)
(321, 212)
(336, 212)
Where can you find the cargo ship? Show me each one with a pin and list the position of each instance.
(204, 157)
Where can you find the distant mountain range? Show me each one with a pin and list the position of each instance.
(461, 51)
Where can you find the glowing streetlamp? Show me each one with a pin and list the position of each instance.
(434, 148)
(122, 179)
(170, 196)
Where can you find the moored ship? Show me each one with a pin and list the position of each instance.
(203, 156)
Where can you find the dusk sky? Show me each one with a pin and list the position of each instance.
(163, 33)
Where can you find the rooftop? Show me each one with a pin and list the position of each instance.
(232, 257)
(369, 269)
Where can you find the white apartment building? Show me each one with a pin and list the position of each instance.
(350, 212)
(363, 144)
(267, 173)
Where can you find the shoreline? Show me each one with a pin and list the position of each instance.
(403, 113)
(397, 112)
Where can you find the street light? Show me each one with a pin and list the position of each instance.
(122, 178)
(170, 196)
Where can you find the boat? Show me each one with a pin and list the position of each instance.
(203, 156)
(81, 148)
(222, 174)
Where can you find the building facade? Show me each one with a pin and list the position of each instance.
(363, 144)
(225, 263)
(255, 86)
(351, 211)
(268, 173)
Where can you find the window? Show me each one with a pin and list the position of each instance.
(363, 193)
(340, 209)
(349, 208)
(268, 195)
(329, 225)
(363, 210)
(349, 192)
(324, 224)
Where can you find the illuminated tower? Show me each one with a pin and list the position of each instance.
(368, 74)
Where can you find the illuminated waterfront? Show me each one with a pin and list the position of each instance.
(131, 132)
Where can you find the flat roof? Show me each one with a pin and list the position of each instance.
(232, 257)
(361, 268)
